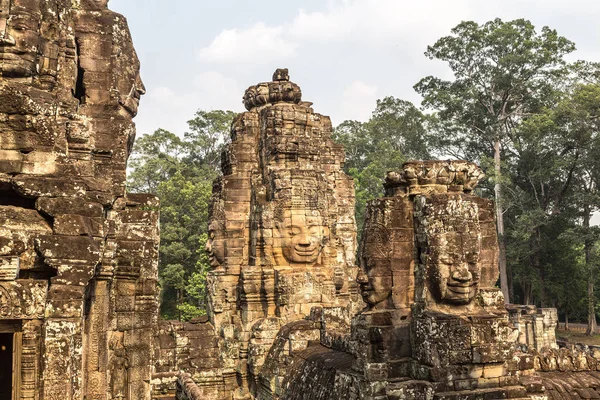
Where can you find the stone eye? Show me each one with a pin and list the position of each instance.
(315, 230)
(447, 260)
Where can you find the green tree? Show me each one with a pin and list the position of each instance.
(395, 133)
(180, 171)
(155, 158)
(503, 72)
(209, 132)
(577, 117)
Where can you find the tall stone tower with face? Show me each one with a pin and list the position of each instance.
(429, 268)
(282, 229)
(78, 256)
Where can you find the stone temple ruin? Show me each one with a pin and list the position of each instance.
(291, 314)
(291, 317)
(78, 256)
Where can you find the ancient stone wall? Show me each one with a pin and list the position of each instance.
(282, 236)
(536, 326)
(78, 256)
(192, 349)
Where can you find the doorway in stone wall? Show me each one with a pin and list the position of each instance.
(6, 364)
(10, 359)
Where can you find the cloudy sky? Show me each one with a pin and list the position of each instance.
(345, 54)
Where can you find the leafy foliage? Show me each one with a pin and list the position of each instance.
(180, 172)
(395, 134)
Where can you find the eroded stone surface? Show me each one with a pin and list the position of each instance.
(78, 256)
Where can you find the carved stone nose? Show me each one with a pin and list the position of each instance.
(139, 86)
(6, 40)
(362, 278)
(462, 274)
(208, 246)
(304, 240)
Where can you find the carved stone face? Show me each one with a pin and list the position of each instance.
(20, 38)
(215, 245)
(376, 279)
(128, 85)
(301, 237)
(130, 92)
(375, 285)
(453, 267)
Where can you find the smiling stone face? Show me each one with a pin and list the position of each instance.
(20, 38)
(300, 236)
(215, 245)
(453, 266)
(450, 246)
(375, 278)
(376, 285)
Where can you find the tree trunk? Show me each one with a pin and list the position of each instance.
(591, 328)
(566, 321)
(178, 304)
(539, 267)
(500, 224)
(511, 287)
(527, 293)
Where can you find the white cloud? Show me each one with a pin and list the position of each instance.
(372, 22)
(259, 43)
(358, 102)
(170, 108)
(219, 91)
(378, 21)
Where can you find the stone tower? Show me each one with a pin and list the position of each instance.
(282, 229)
(78, 255)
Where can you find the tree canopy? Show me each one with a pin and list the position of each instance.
(180, 172)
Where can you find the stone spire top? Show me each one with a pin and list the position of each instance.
(281, 75)
(277, 91)
(418, 177)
